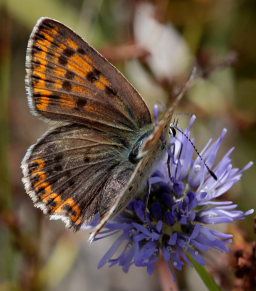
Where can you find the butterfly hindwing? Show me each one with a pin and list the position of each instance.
(68, 80)
(75, 172)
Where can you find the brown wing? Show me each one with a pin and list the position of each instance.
(68, 80)
(75, 172)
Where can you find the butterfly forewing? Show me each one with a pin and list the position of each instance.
(68, 80)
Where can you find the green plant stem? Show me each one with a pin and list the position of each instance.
(204, 275)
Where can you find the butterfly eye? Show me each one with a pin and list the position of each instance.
(173, 131)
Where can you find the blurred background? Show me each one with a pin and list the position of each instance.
(154, 44)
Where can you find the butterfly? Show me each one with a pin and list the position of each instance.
(105, 144)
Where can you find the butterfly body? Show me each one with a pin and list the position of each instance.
(106, 145)
(139, 178)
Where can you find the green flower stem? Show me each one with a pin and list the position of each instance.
(204, 275)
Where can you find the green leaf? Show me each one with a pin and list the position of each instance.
(204, 275)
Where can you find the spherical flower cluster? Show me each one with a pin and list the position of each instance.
(182, 201)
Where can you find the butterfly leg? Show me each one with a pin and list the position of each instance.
(169, 162)
(147, 198)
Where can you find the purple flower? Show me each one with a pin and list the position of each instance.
(181, 205)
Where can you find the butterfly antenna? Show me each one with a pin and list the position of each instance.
(173, 129)
(196, 73)
(189, 83)
(193, 76)
(181, 114)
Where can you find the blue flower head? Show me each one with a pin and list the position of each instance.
(181, 204)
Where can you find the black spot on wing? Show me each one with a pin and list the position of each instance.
(68, 52)
(69, 75)
(58, 167)
(66, 85)
(81, 103)
(110, 91)
(81, 51)
(58, 157)
(62, 60)
(86, 159)
(93, 75)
